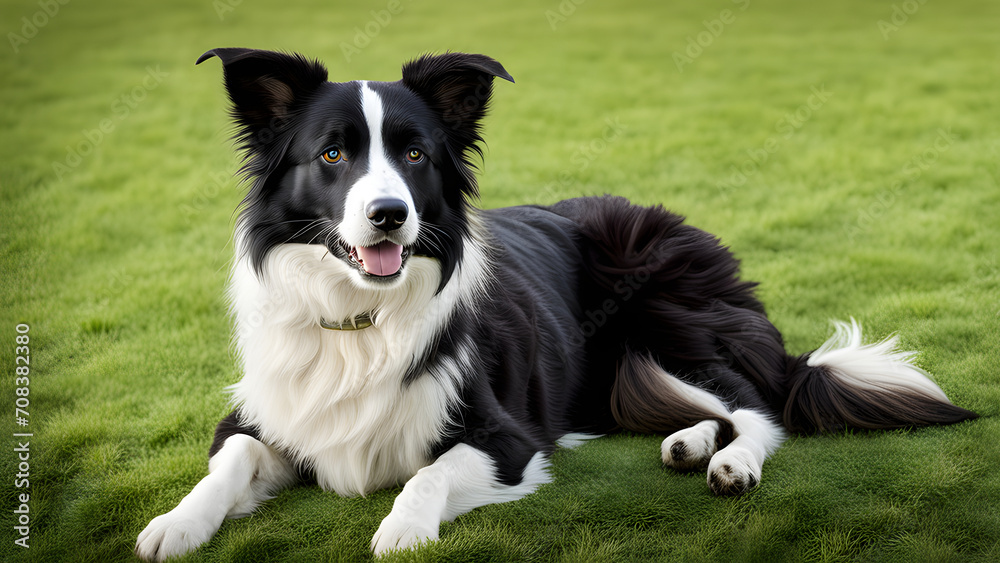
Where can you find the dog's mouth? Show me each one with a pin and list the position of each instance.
(383, 260)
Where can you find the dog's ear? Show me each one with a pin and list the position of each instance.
(264, 85)
(458, 87)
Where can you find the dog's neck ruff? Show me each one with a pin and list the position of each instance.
(323, 394)
(359, 322)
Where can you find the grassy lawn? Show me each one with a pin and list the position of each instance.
(849, 152)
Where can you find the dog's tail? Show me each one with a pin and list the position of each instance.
(848, 384)
(682, 325)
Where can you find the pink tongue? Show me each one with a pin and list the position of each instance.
(384, 259)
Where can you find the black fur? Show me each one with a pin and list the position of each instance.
(230, 426)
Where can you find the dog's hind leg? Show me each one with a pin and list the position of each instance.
(691, 448)
(736, 468)
(645, 398)
(242, 474)
(733, 445)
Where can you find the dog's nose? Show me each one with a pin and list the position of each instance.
(387, 214)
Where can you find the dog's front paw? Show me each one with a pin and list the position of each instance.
(733, 471)
(172, 534)
(399, 531)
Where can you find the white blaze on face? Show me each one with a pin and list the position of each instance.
(382, 180)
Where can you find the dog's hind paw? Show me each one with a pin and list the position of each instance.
(172, 534)
(733, 471)
(691, 448)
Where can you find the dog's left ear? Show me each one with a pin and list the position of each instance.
(458, 86)
(265, 85)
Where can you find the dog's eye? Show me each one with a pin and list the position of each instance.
(333, 155)
(414, 156)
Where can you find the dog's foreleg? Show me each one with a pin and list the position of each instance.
(461, 479)
(241, 475)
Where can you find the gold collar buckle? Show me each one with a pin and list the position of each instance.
(359, 322)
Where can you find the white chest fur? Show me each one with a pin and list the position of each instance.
(336, 399)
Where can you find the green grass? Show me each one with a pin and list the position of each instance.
(118, 262)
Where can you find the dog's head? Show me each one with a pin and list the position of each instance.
(374, 171)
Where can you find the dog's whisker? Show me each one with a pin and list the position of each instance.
(325, 233)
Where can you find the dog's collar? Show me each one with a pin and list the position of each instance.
(359, 322)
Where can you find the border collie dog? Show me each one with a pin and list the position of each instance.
(391, 333)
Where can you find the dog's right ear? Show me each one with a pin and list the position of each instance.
(265, 85)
